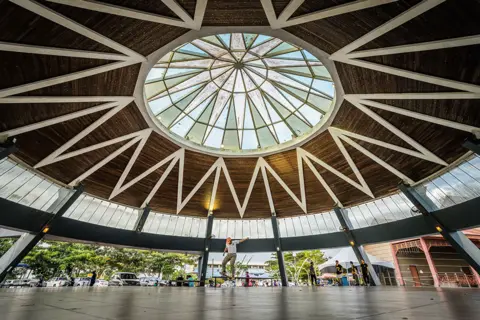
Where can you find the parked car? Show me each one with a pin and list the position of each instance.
(124, 279)
(81, 282)
(57, 282)
(6, 284)
(101, 283)
(150, 281)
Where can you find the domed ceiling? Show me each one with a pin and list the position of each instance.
(79, 81)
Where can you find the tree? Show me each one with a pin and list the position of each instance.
(297, 264)
(5, 244)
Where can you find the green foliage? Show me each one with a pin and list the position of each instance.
(53, 258)
(297, 264)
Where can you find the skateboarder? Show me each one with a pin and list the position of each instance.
(231, 250)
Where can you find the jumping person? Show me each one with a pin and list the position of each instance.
(354, 273)
(366, 277)
(313, 274)
(231, 250)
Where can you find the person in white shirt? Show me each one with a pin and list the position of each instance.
(231, 250)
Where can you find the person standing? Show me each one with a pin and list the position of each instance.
(231, 250)
(93, 278)
(338, 271)
(313, 274)
(366, 277)
(354, 273)
(247, 279)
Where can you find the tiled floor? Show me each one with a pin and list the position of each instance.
(239, 303)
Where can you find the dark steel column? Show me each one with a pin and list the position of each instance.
(358, 250)
(141, 219)
(278, 246)
(208, 237)
(7, 148)
(31, 242)
(472, 144)
(465, 248)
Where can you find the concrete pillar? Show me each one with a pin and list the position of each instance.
(206, 249)
(398, 271)
(142, 218)
(464, 247)
(25, 243)
(278, 246)
(357, 249)
(431, 264)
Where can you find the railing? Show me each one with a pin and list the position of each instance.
(454, 279)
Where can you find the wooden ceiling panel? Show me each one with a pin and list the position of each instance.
(324, 148)
(224, 205)
(460, 64)
(18, 115)
(150, 6)
(258, 204)
(332, 34)
(141, 36)
(445, 21)
(196, 164)
(199, 203)
(241, 171)
(36, 145)
(21, 68)
(100, 182)
(318, 199)
(165, 200)
(356, 80)
(279, 6)
(286, 166)
(234, 13)
(19, 25)
(118, 82)
(311, 6)
(352, 119)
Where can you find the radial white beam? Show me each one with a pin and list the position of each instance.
(241, 207)
(179, 154)
(417, 47)
(402, 18)
(267, 189)
(160, 181)
(49, 122)
(270, 13)
(211, 205)
(420, 116)
(423, 152)
(121, 11)
(53, 16)
(87, 173)
(377, 159)
(200, 8)
(179, 11)
(64, 78)
(59, 52)
(291, 7)
(52, 158)
(333, 11)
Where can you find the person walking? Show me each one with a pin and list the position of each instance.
(93, 278)
(366, 276)
(354, 273)
(313, 274)
(231, 250)
(338, 271)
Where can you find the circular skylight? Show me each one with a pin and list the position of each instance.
(239, 92)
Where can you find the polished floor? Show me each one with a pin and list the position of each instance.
(239, 303)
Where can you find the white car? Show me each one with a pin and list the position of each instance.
(124, 279)
(101, 283)
(150, 281)
(81, 282)
(57, 282)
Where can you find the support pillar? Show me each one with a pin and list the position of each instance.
(358, 250)
(140, 223)
(26, 242)
(464, 247)
(278, 246)
(431, 264)
(398, 271)
(472, 144)
(208, 237)
(7, 147)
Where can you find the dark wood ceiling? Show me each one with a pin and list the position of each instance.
(450, 19)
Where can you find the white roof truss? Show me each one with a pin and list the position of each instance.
(284, 19)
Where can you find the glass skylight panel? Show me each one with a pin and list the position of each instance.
(239, 91)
